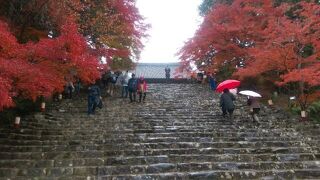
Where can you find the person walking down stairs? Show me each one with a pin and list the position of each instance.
(142, 88)
(226, 103)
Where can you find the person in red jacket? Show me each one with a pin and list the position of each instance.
(142, 88)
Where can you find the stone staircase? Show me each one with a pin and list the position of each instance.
(177, 133)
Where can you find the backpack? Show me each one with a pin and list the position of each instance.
(124, 80)
(133, 84)
(113, 78)
(93, 91)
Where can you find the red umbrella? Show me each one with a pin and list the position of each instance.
(228, 84)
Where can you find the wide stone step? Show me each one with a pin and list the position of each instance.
(209, 175)
(91, 153)
(142, 160)
(99, 145)
(11, 145)
(147, 133)
(145, 160)
(155, 169)
(133, 138)
(160, 129)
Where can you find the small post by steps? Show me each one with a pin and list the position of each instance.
(43, 107)
(60, 97)
(303, 115)
(17, 122)
(270, 102)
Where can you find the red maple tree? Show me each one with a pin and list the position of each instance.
(45, 43)
(290, 48)
(255, 37)
(39, 69)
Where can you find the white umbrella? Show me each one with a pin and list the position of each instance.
(250, 93)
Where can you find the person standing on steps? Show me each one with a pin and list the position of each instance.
(94, 98)
(105, 79)
(212, 82)
(132, 88)
(226, 103)
(77, 86)
(118, 83)
(112, 85)
(254, 108)
(142, 88)
(70, 89)
(167, 71)
(124, 82)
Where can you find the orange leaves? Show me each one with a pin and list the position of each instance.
(39, 69)
(113, 28)
(114, 25)
(279, 43)
(309, 75)
(226, 33)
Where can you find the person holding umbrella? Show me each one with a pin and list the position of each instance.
(253, 103)
(226, 103)
(254, 107)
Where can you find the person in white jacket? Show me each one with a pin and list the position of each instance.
(124, 79)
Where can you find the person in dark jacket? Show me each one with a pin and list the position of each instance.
(226, 103)
(70, 89)
(132, 88)
(167, 71)
(94, 98)
(213, 83)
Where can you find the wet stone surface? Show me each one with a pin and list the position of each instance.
(178, 133)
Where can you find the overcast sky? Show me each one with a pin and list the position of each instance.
(172, 23)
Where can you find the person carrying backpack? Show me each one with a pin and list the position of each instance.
(111, 86)
(132, 87)
(94, 98)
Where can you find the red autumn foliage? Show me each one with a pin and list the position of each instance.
(283, 47)
(262, 37)
(33, 65)
(39, 69)
(224, 35)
